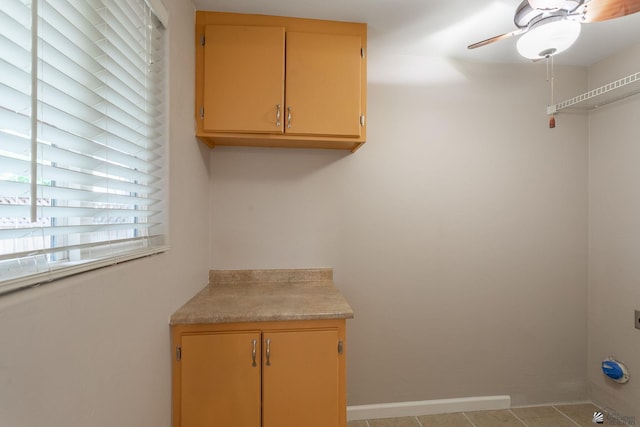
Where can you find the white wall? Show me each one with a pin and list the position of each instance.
(614, 236)
(457, 232)
(93, 350)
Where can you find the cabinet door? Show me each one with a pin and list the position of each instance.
(323, 86)
(243, 79)
(300, 379)
(220, 384)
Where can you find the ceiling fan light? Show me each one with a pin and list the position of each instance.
(546, 4)
(548, 38)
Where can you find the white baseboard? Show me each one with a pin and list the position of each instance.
(427, 407)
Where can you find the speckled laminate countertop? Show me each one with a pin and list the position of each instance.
(265, 295)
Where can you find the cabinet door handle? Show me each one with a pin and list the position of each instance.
(288, 117)
(253, 352)
(268, 352)
(278, 115)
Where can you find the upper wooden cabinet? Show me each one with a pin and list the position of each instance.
(280, 82)
(323, 90)
(244, 78)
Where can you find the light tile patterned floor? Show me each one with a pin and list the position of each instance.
(540, 416)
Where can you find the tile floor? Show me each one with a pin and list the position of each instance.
(538, 416)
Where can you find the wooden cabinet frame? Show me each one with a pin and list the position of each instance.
(324, 330)
(294, 25)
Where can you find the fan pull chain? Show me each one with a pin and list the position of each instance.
(552, 119)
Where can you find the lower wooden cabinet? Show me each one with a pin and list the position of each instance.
(269, 374)
(219, 383)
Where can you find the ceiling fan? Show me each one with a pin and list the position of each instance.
(549, 27)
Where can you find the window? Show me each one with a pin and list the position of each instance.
(82, 136)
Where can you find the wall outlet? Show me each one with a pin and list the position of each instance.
(637, 319)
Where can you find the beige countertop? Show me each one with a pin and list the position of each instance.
(265, 295)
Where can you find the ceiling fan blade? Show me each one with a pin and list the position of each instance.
(603, 10)
(497, 38)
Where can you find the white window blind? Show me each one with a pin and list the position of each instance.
(82, 137)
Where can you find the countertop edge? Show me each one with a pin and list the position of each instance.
(244, 319)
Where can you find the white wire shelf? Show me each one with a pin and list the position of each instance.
(611, 92)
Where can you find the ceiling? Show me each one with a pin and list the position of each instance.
(441, 28)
